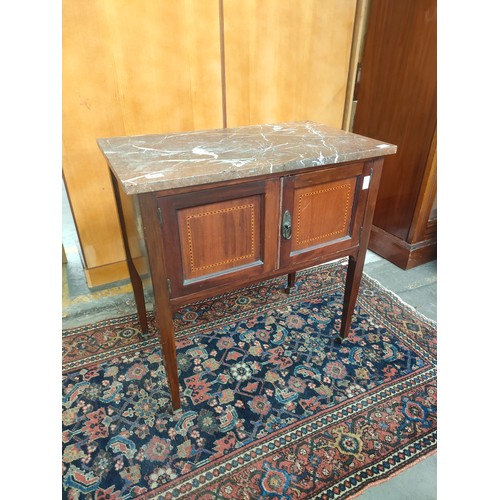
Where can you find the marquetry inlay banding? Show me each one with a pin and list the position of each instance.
(300, 241)
(195, 268)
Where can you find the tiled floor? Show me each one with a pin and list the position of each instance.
(417, 287)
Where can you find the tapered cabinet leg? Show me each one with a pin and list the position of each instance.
(154, 244)
(356, 263)
(291, 283)
(134, 275)
(353, 280)
(139, 297)
(167, 339)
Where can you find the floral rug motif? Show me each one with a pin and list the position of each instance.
(272, 406)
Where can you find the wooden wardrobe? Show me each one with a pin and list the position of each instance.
(396, 98)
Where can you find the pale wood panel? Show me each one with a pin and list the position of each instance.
(130, 68)
(167, 60)
(287, 60)
(88, 95)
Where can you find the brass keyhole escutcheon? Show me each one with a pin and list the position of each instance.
(286, 225)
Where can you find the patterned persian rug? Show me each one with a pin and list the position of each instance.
(272, 406)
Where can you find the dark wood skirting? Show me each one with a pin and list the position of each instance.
(400, 252)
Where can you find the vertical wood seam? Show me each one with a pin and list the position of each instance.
(222, 63)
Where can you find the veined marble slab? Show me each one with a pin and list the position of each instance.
(155, 162)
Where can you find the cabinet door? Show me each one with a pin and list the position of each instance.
(220, 234)
(325, 210)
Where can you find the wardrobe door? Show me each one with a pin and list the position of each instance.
(287, 60)
(129, 68)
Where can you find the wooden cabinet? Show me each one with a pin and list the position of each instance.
(226, 208)
(286, 60)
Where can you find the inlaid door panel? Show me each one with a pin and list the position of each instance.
(325, 212)
(216, 235)
(322, 213)
(204, 232)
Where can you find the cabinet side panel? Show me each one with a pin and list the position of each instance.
(220, 235)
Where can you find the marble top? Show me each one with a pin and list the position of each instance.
(149, 163)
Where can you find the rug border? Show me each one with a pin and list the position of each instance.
(421, 316)
(429, 372)
(392, 475)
